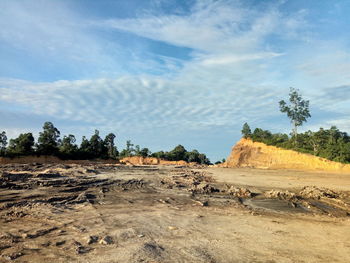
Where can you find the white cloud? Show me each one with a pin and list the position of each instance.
(235, 72)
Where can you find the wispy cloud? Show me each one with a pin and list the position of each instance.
(217, 64)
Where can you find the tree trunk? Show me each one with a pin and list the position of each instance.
(295, 132)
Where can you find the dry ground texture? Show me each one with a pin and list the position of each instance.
(109, 213)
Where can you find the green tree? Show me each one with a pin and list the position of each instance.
(178, 153)
(246, 131)
(129, 150)
(159, 155)
(84, 150)
(297, 111)
(137, 150)
(111, 148)
(22, 145)
(3, 143)
(193, 156)
(145, 152)
(97, 147)
(68, 148)
(203, 159)
(48, 140)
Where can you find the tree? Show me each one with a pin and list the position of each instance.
(109, 143)
(84, 150)
(137, 150)
(22, 145)
(145, 152)
(203, 159)
(127, 152)
(68, 148)
(159, 155)
(178, 153)
(297, 111)
(48, 140)
(97, 147)
(193, 156)
(246, 131)
(3, 143)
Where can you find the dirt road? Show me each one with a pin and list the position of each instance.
(101, 213)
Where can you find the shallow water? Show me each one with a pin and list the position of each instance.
(274, 205)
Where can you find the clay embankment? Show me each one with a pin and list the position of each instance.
(139, 160)
(247, 153)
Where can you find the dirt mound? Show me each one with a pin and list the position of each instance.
(318, 192)
(139, 160)
(247, 153)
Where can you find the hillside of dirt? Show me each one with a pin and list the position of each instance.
(139, 160)
(247, 153)
(126, 213)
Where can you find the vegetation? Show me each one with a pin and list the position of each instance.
(331, 144)
(246, 131)
(180, 153)
(50, 143)
(297, 111)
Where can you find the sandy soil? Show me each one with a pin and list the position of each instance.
(101, 213)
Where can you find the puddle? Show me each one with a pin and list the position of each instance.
(328, 209)
(274, 205)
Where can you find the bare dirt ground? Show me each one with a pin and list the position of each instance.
(104, 213)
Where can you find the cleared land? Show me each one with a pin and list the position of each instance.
(105, 213)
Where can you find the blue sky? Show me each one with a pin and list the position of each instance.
(163, 73)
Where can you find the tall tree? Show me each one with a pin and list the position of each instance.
(3, 143)
(297, 111)
(109, 143)
(128, 151)
(178, 153)
(97, 146)
(84, 150)
(246, 131)
(68, 148)
(48, 140)
(22, 145)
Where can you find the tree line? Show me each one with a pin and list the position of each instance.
(50, 143)
(331, 144)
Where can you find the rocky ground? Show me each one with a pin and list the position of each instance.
(113, 213)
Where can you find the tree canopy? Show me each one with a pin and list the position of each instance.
(297, 111)
(331, 144)
(50, 143)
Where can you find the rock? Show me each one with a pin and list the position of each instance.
(13, 256)
(60, 243)
(153, 250)
(239, 192)
(318, 192)
(107, 240)
(203, 188)
(205, 203)
(91, 239)
(283, 195)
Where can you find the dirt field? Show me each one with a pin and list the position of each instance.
(104, 213)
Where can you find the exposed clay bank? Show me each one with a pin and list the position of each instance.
(247, 153)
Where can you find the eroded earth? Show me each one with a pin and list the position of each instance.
(116, 213)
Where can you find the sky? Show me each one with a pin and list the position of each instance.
(163, 73)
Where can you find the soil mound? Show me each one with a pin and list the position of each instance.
(247, 153)
(139, 160)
